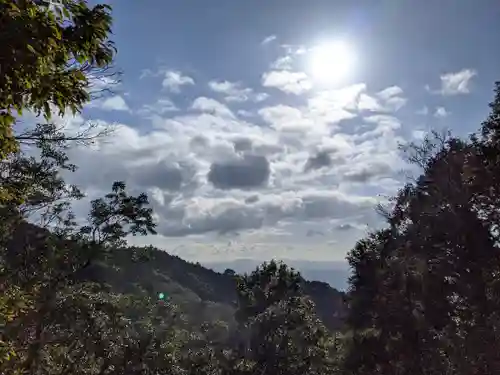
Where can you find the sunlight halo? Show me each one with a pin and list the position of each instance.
(331, 62)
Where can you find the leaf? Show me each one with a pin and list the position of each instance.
(31, 49)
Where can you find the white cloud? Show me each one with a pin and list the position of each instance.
(285, 118)
(289, 82)
(172, 157)
(235, 93)
(344, 98)
(384, 123)
(392, 99)
(174, 80)
(390, 92)
(114, 103)
(395, 103)
(356, 98)
(212, 106)
(162, 106)
(282, 63)
(224, 87)
(261, 96)
(245, 113)
(227, 214)
(456, 83)
(418, 134)
(369, 103)
(324, 110)
(441, 112)
(269, 39)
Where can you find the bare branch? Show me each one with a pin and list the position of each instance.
(56, 135)
(420, 154)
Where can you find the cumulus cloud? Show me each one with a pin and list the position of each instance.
(357, 98)
(286, 119)
(211, 106)
(457, 83)
(162, 175)
(286, 81)
(320, 160)
(174, 80)
(385, 123)
(364, 173)
(229, 214)
(390, 92)
(369, 103)
(162, 106)
(282, 63)
(441, 112)
(209, 172)
(345, 98)
(418, 134)
(392, 98)
(242, 145)
(323, 204)
(115, 103)
(233, 92)
(250, 171)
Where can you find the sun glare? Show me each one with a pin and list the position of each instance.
(331, 62)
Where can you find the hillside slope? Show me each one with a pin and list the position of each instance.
(202, 294)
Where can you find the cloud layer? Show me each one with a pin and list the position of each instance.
(279, 164)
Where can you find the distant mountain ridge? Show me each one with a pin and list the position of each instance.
(202, 294)
(201, 291)
(334, 273)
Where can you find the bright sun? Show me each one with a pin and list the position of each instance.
(331, 62)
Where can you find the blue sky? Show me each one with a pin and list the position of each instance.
(245, 151)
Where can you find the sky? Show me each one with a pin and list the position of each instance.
(252, 141)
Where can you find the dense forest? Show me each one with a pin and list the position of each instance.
(423, 296)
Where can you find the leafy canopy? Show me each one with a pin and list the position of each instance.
(46, 52)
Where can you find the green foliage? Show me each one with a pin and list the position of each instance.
(279, 331)
(117, 215)
(36, 181)
(47, 53)
(424, 295)
(269, 284)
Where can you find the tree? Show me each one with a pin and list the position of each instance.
(268, 284)
(48, 54)
(229, 272)
(57, 263)
(280, 333)
(49, 313)
(424, 292)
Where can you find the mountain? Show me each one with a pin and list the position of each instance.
(201, 294)
(335, 273)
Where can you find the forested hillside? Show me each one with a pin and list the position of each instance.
(205, 294)
(202, 295)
